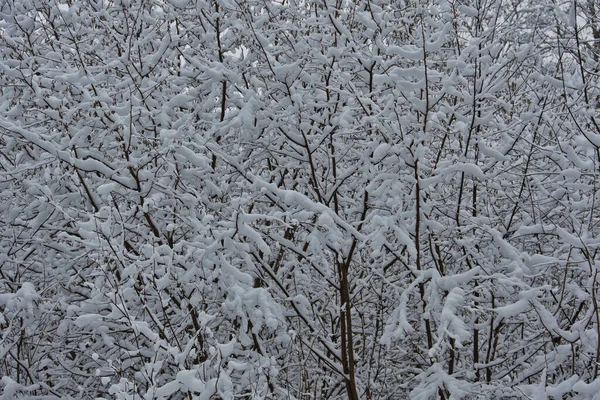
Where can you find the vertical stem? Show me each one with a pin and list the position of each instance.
(418, 251)
(347, 334)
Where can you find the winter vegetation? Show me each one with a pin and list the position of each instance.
(299, 199)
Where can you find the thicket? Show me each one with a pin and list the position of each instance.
(299, 199)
